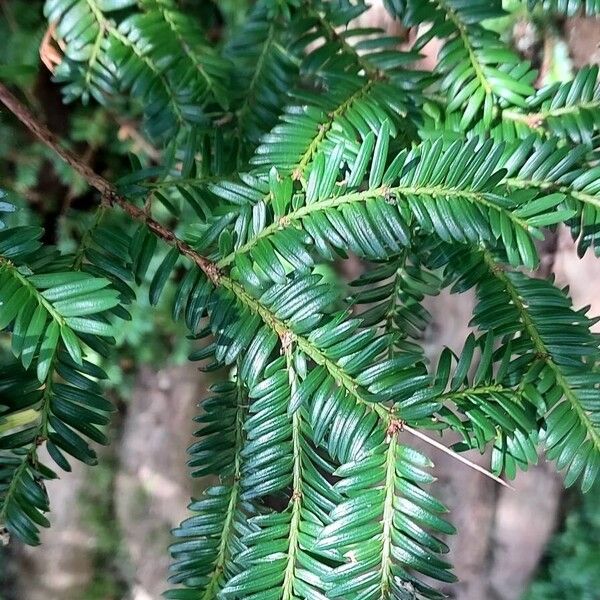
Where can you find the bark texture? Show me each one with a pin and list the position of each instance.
(153, 487)
(63, 568)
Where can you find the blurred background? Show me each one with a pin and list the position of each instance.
(110, 524)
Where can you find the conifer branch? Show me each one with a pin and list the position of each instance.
(108, 192)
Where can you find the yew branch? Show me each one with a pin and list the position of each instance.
(107, 191)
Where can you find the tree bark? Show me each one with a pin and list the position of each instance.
(153, 487)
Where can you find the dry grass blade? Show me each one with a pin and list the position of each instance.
(462, 459)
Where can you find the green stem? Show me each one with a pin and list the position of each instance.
(330, 32)
(87, 238)
(390, 313)
(243, 110)
(437, 191)
(212, 588)
(324, 128)
(125, 41)
(30, 457)
(296, 499)
(476, 391)
(541, 349)
(464, 36)
(551, 185)
(106, 26)
(99, 16)
(536, 120)
(191, 54)
(14, 272)
(304, 345)
(174, 181)
(16, 478)
(388, 518)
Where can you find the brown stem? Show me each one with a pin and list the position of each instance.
(107, 190)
